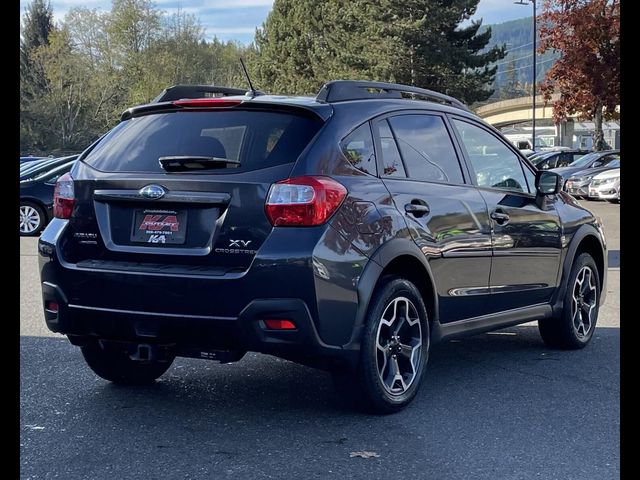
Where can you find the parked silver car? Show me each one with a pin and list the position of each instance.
(578, 184)
(606, 186)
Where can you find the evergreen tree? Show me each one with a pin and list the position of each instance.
(442, 55)
(304, 43)
(37, 25)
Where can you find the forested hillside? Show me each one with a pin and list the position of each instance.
(513, 78)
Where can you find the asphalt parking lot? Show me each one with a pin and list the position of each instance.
(494, 406)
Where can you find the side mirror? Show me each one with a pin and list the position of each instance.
(597, 163)
(548, 183)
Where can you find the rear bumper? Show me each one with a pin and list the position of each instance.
(199, 334)
(203, 312)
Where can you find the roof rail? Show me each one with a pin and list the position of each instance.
(343, 90)
(178, 92)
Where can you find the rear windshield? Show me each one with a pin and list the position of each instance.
(256, 139)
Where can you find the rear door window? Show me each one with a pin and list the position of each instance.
(391, 162)
(426, 148)
(257, 139)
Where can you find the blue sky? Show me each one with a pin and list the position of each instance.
(238, 19)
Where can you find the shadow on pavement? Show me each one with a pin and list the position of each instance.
(493, 406)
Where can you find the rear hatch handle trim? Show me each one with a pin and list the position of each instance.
(175, 197)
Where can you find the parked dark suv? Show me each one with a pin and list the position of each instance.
(350, 232)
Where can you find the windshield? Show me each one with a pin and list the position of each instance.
(586, 160)
(256, 139)
(541, 157)
(613, 163)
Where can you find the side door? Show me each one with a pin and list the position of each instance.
(526, 238)
(446, 216)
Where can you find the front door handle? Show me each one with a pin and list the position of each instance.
(500, 216)
(417, 209)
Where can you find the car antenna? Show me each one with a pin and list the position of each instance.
(253, 92)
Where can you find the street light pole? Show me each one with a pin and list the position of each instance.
(535, 36)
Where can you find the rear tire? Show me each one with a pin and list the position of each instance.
(116, 366)
(394, 350)
(576, 323)
(32, 219)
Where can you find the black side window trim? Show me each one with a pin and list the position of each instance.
(466, 174)
(523, 161)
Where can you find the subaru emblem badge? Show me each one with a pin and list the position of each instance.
(152, 192)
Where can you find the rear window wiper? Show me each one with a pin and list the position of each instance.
(184, 163)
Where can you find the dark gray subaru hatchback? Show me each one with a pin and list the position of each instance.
(349, 232)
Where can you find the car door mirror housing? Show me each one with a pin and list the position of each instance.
(548, 183)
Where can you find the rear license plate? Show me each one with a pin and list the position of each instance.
(159, 227)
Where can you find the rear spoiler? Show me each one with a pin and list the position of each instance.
(169, 96)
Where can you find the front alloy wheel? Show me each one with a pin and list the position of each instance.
(575, 324)
(584, 302)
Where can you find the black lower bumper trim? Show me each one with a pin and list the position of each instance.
(199, 333)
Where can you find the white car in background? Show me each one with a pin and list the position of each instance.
(606, 186)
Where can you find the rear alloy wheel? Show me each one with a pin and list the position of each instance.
(577, 322)
(117, 367)
(32, 219)
(398, 343)
(394, 349)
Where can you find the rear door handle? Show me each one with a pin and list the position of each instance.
(500, 216)
(417, 209)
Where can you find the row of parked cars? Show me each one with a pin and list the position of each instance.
(590, 175)
(38, 176)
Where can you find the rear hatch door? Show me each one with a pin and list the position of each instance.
(184, 190)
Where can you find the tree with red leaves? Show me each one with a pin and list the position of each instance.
(587, 75)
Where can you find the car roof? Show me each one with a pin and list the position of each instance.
(369, 97)
(44, 165)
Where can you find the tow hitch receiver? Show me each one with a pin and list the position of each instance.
(142, 352)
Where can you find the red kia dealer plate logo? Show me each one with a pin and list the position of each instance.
(159, 227)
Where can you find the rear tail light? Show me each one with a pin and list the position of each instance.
(63, 197)
(303, 201)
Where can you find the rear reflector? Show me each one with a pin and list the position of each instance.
(304, 201)
(52, 306)
(272, 324)
(63, 197)
(207, 103)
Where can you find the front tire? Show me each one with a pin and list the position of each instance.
(116, 366)
(394, 349)
(576, 323)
